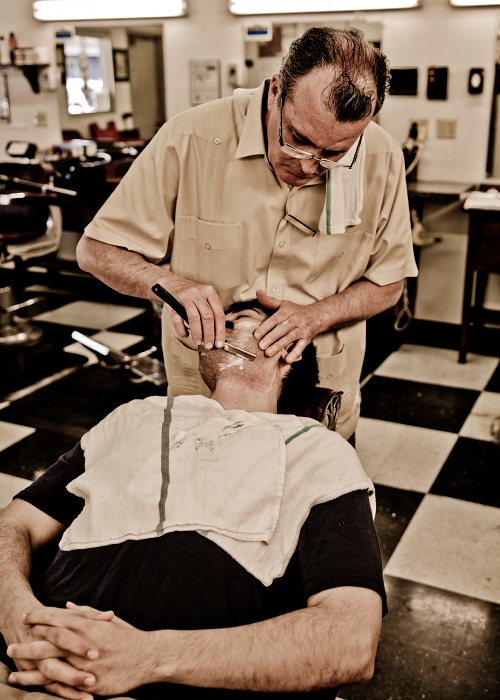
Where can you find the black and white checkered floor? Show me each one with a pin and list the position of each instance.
(424, 438)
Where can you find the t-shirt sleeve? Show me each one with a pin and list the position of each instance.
(338, 546)
(49, 493)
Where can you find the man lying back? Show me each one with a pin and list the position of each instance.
(210, 547)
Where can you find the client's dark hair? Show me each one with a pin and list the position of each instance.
(298, 386)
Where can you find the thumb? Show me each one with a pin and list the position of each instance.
(267, 301)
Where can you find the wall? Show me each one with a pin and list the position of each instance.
(434, 34)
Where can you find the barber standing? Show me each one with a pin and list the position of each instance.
(290, 192)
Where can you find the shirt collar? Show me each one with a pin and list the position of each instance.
(252, 141)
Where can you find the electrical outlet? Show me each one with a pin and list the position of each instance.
(422, 129)
(446, 128)
(39, 118)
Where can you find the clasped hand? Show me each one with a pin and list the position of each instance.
(78, 651)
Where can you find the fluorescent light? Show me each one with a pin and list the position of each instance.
(74, 10)
(271, 7)
(473, 3)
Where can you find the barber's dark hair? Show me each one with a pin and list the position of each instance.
(298, 386)
(353, 58)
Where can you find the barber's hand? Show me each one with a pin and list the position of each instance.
(204, 309)
(98, 653)
(292, 327)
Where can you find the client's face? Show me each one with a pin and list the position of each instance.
(240, 326)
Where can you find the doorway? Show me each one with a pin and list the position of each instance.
(146, 82)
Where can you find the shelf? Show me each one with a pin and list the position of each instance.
(30, 71)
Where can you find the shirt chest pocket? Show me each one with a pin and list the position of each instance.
(208, 252)
(342, 258)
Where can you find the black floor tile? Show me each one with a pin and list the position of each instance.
(417, 403)
(395, 509)
(435, 645)
(471, 473)
(23, 366)
(36, 452)
(381, 340)
(75, 403)
(434, 334)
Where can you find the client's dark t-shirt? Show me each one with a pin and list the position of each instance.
(182, 580)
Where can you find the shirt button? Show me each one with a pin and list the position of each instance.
(217, 140)
(208, 246)
(282, 244)
(274, 289)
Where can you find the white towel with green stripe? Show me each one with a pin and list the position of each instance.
(344, 193)
(247, 481)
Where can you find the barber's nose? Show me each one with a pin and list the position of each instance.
(309, 166)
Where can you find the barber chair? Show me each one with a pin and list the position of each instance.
(30, 226)
(324, 406)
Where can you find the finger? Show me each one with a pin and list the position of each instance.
(294, 352)
(203, 331)
(65, 639)
(212, 320)
(37, 677)
(33, 650)
(267, 301)
(66, 673)
(281, 336)
(219, 323)
(67, 692)
(91, 613)
(178, 324)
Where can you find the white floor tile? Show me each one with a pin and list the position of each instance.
(88, 314)
(452, 545)
(441, 279)
(9, 486)
(402, 456)
(478, 423)
(438, 366)
(119, 341)
(10, 433)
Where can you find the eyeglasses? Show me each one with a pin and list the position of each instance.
(295, 152)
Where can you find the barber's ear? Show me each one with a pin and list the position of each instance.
(274, 86)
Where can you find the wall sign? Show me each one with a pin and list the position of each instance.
(205, 80)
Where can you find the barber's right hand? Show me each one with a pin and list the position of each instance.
(206, 317)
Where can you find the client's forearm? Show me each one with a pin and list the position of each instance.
(16, 596)
(301, 651)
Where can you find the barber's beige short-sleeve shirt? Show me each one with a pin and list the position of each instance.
(203, 196)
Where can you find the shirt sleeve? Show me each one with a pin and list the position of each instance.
(338, 546)
(49, 494)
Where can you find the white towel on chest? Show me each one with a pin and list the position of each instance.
(344, 194)
(189, 465)
(247, 481)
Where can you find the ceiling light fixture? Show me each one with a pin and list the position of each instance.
(74, 10)
(270, 7)
(474, 3)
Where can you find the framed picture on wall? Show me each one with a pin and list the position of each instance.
(120, 64)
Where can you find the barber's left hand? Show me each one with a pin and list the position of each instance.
(292, 326)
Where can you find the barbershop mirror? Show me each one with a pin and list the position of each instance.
(263, 59)
(89, 74)
(137, 92)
